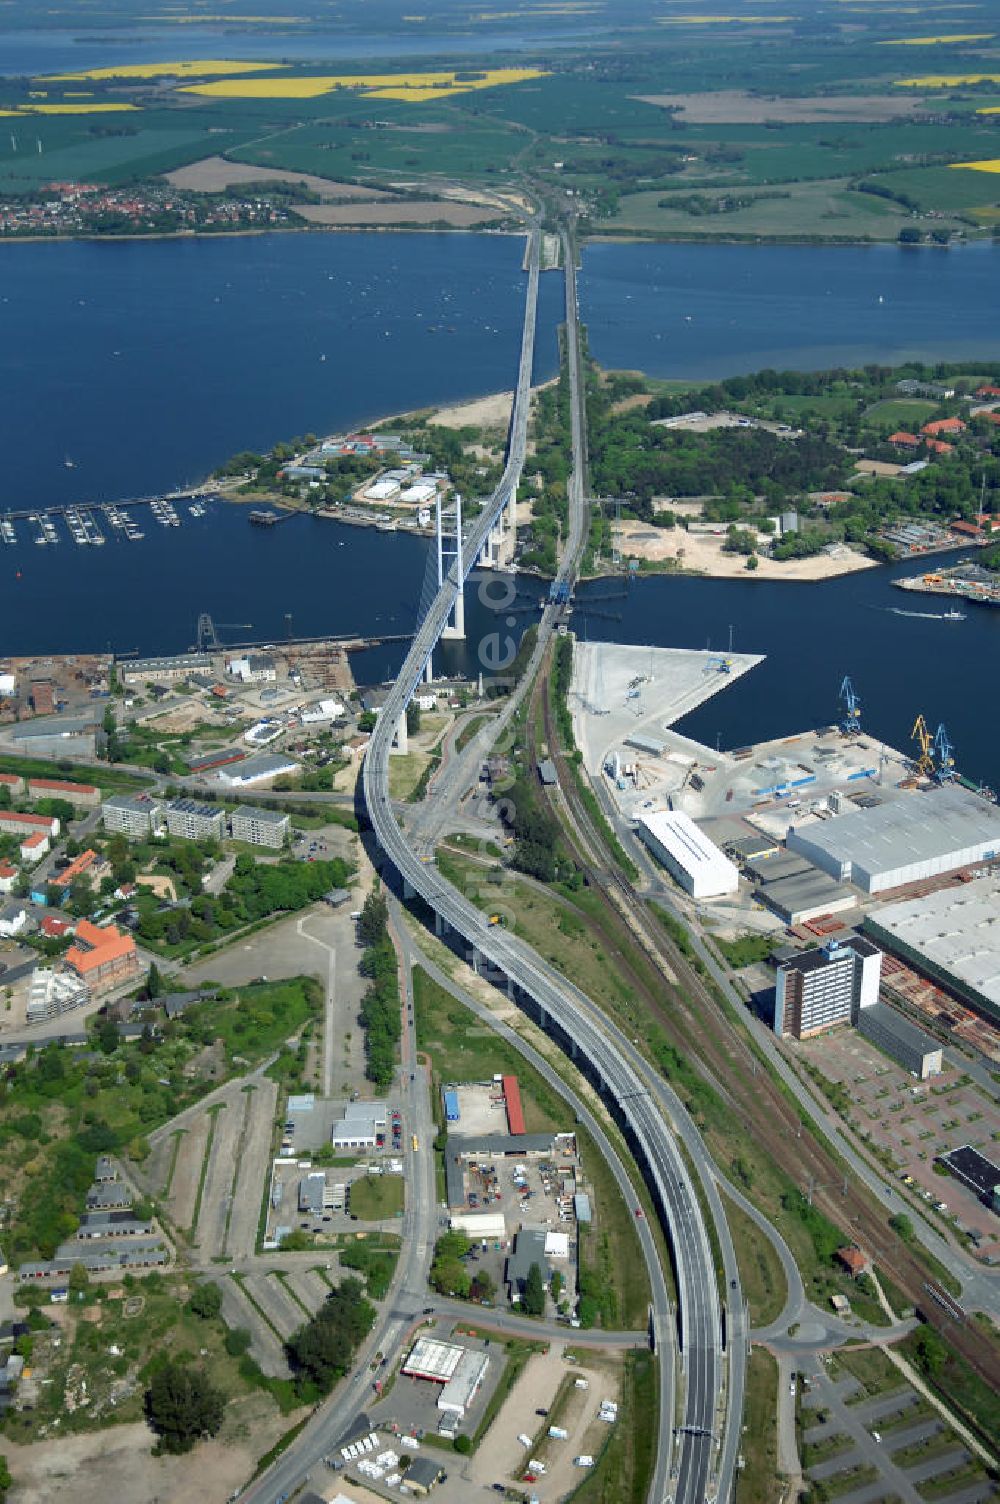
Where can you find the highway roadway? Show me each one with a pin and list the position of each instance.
(684, 1471)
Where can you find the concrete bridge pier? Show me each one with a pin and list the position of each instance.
(440, 925)
(401, 744)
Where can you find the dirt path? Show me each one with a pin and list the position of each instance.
(310, 1287)
(252, 1169)
(275, 1301)
(218, 1186)
(187, 1173)
(265, 1348)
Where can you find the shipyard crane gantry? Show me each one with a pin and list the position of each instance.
(920, 734)
(850, 723)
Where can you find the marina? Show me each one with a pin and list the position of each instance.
(82, 524)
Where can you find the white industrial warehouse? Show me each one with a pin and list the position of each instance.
(952, 936)
(688, 855)
(903, 840)
(459, 1370)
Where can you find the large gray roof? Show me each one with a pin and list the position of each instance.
(916, 827)
(957, 929)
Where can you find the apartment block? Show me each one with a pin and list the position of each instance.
(135, 815)
(195, 822)
(261, 827)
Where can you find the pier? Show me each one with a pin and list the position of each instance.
(81, 518)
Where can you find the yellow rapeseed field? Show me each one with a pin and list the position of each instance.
(408, 86)
(993, 166)
(947, 80)
(989, 109)
(77, 109)
(971, 36)
(197, 69)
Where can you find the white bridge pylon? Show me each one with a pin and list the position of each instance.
(449, 550)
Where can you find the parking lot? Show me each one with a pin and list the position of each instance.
(915, 1121)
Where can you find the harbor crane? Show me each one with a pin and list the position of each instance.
(944, 755)
(850, 724)
(924, 764)
(208, 632)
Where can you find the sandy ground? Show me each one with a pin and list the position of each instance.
(501, 1453)
(703, 552)
(115, 1464)
(163, 887)
(395, 213)
(587, 1434)
(734, 107)
(483, 412)
(253, 1166)
(187, 1171)
(218, 1185)
(213, 174)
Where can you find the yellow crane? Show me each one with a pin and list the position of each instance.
(921, 735)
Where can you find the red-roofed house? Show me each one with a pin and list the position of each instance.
(8, 877)
(34, 847)
(57, 788)
(943, 425)
(854, 1261)
(904, 440)
(23, 825)
(968, 529)
(12, 782)
(988, 391)
(54, 927)
(938, 446)
(989, 417)
(103, 956)
(78, 867)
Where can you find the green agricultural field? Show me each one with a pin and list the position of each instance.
(810, 211)
(950, 188)
(458, 149)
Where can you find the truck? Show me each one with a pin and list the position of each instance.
(558, 1433)
(416, 1143)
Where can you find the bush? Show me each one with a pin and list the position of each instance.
(206, 1302)
(238, 1341)
(463, 1444)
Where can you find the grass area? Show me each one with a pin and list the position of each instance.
(850, 1479)
(922, 1451)
(813, 1452)
(907, 413)
(470, 728)
(108, 780)
(961, 1388)
(405, 770)
(759, 1444)
(909, 1416)
(746, 950)
(375, 1261)
(463, 1050)
(376, 1197)
(115, 1355)
(761, 1274)
(474, 845)
(872, 1369)
(944, 1485)
(624, 1467)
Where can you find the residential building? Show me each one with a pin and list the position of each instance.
(52, 993)
(135, 815)
(8, 877)
(904, 440)
(261, 827)
(12, 783)
(15, 824)
(34, 847)
(102, 956)
(194, 821)
(85, 795)
(822, 988)
(943, 425)
(13, 921)
(87, 865)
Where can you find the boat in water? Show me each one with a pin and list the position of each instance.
(951, 615)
